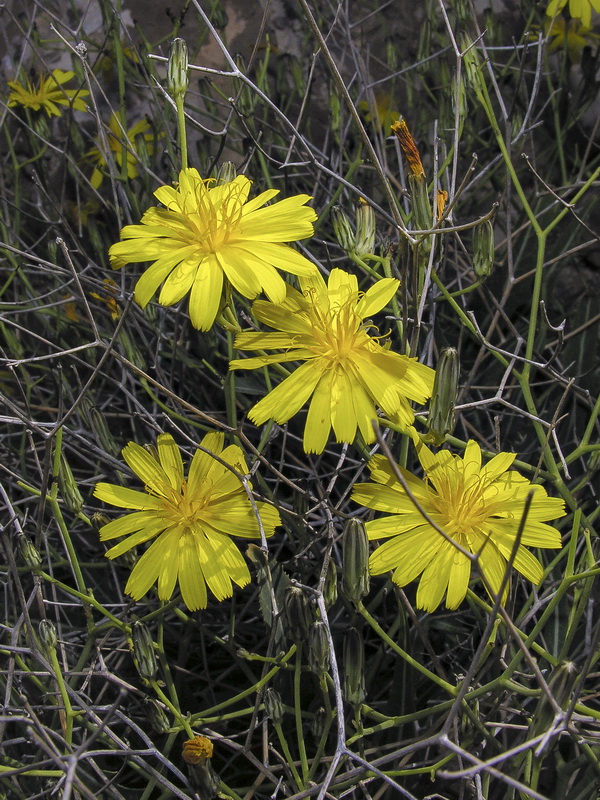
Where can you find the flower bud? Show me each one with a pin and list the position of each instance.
(355, 561)
(330, 589)
(29, 552)
(144, 656)
(197, 753)
(273, 705)
(47, 634)
(226, 173)
(560, 684)
(443, 399)
(68, 487)
(318, 648)
(342, 229)
(472, 68)
(318, 722)
(365, 229)
(197, 750)
(177, 70)
(296, 613)
(156, 716)
(483, 249)
(354, 668)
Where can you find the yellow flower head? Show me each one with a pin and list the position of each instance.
(191, 520)
(348, 372)
(122, 145)
(49, 93)
(478, 507)
(578, 9)
(381, 112)
(571, 35)
(206, 236)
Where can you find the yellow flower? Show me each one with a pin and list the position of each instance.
(478, 507)
(190, 519)
(122, 145)
(382, 112)
(569, 34)
(50, 93)
(205, 237)
(578, 9)
(347, 372)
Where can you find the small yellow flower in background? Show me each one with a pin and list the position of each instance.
(205, 237)
(48, 95)
(122, 145)
(478, 507)
(571, 35)
(109, 298)
(578, 9)
(381, 112)
(347, 372)
(191, 520)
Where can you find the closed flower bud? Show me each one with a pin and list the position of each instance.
(226, 173)
(177, 70)
(29, 552)
(473, 68)
(354, 668)
(296, 613)
(68, 487)
(273, 705)
(355, 561)
(483, 249)
(560, 684)
(318, 722)
(144, 656)
(47, 634)
(342, 229)
(98, 520)
(197, 750)
(318, 648)
(157, 716)
(330, 587)
(365, 229)
(443, 398)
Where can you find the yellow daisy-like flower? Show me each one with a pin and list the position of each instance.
(190, 519)
(478, 507)
(206, 236)
(382, 112)
(122, 144)
(571, 35)
(348, 372)
(578, 9)
(50, 93)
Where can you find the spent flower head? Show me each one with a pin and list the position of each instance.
(122, 145)
(348, 372)
(478, 507)
(49, 94)
(190, 519)
(205, 238)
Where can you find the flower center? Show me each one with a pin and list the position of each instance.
(183, 508)
(213, 215)
(461, 502)
(337, 331)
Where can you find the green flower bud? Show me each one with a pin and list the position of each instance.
(473, 68)
(443, 398)
(296, 613)
(68, 487)
(318, 722)
(144, 656)
(273, 705)
(342, 229)
(177, 70)
(318, 648)
(355, 561)
(365, 229)
(99, 520)
(354, 668)
(29, 553)
(483, 249)
(47, 634)
(157, 716)
(226, 173)
(330, 587)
